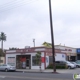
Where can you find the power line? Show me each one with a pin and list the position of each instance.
(15, 5)
(8, 3)
(11, 3)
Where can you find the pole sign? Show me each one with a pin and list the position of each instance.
(78, 51)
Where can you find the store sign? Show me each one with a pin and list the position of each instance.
(42, 59)
(41, 49)
(23, 59)
(22, 51)
(78, 51)
(62, 55)
(66, 49)
(49, 54)
(11, 51)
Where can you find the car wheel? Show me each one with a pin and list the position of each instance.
(77, 66)
(6, 70)
(69, 67)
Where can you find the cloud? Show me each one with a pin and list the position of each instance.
(26, 20)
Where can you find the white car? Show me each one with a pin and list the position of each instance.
(7, 67)
(70, 65)
(78, 63)
(74, 64)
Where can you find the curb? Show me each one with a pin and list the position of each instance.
(37, 72)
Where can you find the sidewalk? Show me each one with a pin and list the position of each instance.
(45, 71)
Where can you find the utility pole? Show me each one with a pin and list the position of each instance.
(34, 42)
(52, 38)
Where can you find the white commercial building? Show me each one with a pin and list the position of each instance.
(70, 52)
(25, 58)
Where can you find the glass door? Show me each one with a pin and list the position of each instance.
(27, 63)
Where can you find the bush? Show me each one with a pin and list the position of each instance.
(58, 66)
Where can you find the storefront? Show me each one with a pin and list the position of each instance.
(70, 52)
(26, 59)
(78, 53)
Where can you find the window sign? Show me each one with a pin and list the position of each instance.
(11, 61)
(62, 55)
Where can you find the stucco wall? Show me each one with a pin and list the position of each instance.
(66, 49)
(60, 56)
(32, 54)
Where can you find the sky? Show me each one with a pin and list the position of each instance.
(25, 20)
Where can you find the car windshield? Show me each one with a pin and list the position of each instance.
(68, 62)
(8, 65)
(78, 62)
(73, 62)
(4, 65)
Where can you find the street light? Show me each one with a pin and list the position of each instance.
(52, 37)
(34, 42)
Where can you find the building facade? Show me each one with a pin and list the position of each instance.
(25, 58)
(70, 52)
(78, 53)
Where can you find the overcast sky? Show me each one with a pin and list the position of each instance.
(23, 20)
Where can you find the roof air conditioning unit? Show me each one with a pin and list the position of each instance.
(27, 46)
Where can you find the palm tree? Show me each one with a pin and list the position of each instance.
(2, 54)
(2, 38)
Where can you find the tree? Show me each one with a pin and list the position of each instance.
(48, 45)
(2, 38)
(38, 58)
(2, 54)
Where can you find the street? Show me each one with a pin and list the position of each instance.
(47, 75)
(34, 76)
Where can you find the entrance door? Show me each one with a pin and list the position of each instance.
(27, 63)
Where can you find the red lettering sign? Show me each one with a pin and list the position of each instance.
(42, 59)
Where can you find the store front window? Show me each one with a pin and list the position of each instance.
(35, 61)
(11, 61)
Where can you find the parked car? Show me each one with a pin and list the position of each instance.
(7, 67)
(75, 64)
(78, 63)
(68, 64)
